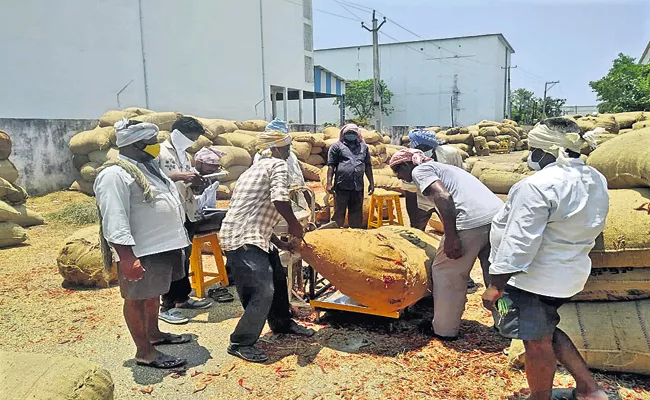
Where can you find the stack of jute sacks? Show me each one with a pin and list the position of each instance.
(496, 132)
(610, 320)
(14, 216)
(499, 178)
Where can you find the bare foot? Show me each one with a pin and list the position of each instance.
(597, 395)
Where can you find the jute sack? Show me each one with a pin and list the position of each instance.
(138, 111)
(386, 139)
(254, 125)
(624, 160)
(163, 136)
(302, 150)
(316, 150)
(376, 149)
(641, 125)
(101, 156)
(200, 143)
(462, 147)
(388, 183)
(510, 122)
(223, 192)
(386, 269)
(241, 140)
(486, 123)
(234, 172)
(500, 182)
(228, 125)
(433, 129)
(221, 141)
(493, 145)
(479, 166)
(329, 143)
(371, 137)
(11, 234)
(89, 171)
(315, 159)
(83, 187)
(624, 131)
(461, 139)
(212, 127)
(52, 377)
(164, 120)
(610, 336)
(234, 156)
(591, 123)
(331, 133)
(78, 160)
(489, 131)
(7, 212)
(383, 171)
(627, 119)
(310, 172)
(8, 171)
(625, 242)
(12, 193)
(26, 217)
(616, 284)
(110, 117)
(80, 260)
(89, 141)
(303, 137)
(5, 146)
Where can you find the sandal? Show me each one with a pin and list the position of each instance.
(248, 353)
(163, 361)
(170, 338)
(563, 394)
(194, 304)
(221, 295)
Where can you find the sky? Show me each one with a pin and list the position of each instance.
(573, 41)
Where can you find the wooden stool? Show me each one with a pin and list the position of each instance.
(377, 201)
(197, 274)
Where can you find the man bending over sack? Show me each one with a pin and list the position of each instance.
(142, 220)
(259, 202)
(466, 208)
(541, 241)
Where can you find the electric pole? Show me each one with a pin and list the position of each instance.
(546, 89)
(509, 106)
(375, 66)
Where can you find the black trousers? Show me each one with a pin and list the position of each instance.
(261, 284)
(352, 202)
(418, 217)
(179, 291)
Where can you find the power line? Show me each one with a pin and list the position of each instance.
(348, 10)
(324, 12)
(359, 7)
(406, 29)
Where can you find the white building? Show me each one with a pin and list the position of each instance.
(71, 58)
(431, 80)
(645, 57)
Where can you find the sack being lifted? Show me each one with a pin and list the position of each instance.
(386, 269)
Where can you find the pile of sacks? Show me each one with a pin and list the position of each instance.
(14, 216)
(499, 178)
(612, 125)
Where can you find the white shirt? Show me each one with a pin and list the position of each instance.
(547, 228)
(150, 228)
(475, 204)
(444, 154)
(170, 162)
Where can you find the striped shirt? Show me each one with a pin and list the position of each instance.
(252, 215)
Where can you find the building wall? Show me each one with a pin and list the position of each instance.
(423, 77)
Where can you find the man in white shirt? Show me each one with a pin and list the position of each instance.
(466, 208)
(541, 241)
(175, 162)
(142, 221)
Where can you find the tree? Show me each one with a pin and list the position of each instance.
(522, 103)
(528, 109)
(626, 87)
(359, 98)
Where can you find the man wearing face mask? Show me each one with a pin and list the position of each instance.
(141, 223)
(259, 202)
(175, 162)
(541, 241)
(348, 160)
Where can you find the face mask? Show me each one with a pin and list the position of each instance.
(153, 150)
(536, 165)
(350, 137)
(180, 141)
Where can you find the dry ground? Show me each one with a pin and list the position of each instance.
(351, 357)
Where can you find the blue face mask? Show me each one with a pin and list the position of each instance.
(350, 137)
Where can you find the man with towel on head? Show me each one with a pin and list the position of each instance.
(466, 208)
(259, 202)
(142, 220)
(541, 240)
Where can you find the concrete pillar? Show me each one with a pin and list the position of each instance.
(285, 103)
(274, 105)
(300, 105)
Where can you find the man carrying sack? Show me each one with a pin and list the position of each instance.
(260, 201)
(541, 241)
(141, 219)
(466, 208)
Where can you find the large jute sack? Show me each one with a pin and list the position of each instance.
(388, 183)
(500, 182)
(316, 150)
(254, 125)
(80, 260)
(461, 146)
(110, 117)
(624, 160)
(625, 242)
(489, 131)
(479, 166)
(310, 172)
(223, 192)
(319, 140)
(302, 150)
(383, 171)
(12, 193)
(228, 125)
(610, 336)
(234, 172)
(329, 143)
(591, 123)
(25, 216)
(493, 145)
(83, 186)
(221, 141)
(88, 141)
(11, 234)
(641, 125)
(163, 136)
(79, 160)
(5, 145)
(486, 123)
(331, 133)
(200, 143)
(164, 120)
(510, 122)
(241, 140)
(315, 159)
(371, 137)
(386, 269)
(212, 127)
(433, 129)
(234, 156)
(254, 134)
(89, 171)
(616, 284)
(101, 156)
(8, 171)
(138, 111)
(52, 377)
(376, 149)
(7, 212)
(627, 119)
(386, 139)
(303, 137)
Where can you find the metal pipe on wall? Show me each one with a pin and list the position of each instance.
(144, 58)
(265, 92)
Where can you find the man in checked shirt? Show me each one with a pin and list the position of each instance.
(259, 202)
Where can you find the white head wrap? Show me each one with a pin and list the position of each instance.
(556, 143)
(134, 133)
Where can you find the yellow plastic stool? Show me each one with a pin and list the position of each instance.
(197, 274)
(377, 201)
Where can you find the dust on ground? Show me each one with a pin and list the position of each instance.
(351, 357)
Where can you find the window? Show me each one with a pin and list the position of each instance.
(308, 34)
(309, 69)
(306, 9)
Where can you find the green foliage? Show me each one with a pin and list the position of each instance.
(359, 98)
(626, 87)
(84, 213)
(528, 109)
(329, 124)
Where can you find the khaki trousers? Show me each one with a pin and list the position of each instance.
(450, 278)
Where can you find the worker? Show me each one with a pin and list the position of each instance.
(176, 164)
(348, 160)
(466, 208)
(142, 220)
(541, 241)
(259, 202)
